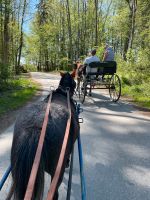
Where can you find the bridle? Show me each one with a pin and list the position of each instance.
(64, 91)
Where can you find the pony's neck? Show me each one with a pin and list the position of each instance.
(62, 90)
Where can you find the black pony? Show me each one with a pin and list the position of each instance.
(26, 135)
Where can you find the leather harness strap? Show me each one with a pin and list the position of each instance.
(53, 185)
(35, 166)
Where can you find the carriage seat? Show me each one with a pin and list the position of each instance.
(101, 68)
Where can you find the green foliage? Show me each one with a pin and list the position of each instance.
(30, 67)
(100, 52)
(4, 72)
(135, 83)
(65, 64)
(82, 58)
(126, 81)
(139, 93)
(143, 59)
(16, 94)
(131, 57)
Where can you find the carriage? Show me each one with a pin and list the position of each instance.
(101, 75)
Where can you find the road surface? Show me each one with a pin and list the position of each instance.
(116, 147)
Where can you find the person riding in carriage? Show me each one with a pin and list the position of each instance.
(88, 60)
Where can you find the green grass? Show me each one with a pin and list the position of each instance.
(142, 101)
(16, 94)
(139, 93)
(135, 82)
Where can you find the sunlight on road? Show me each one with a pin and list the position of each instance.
(139, 175)
(5, 142)
(5, 147)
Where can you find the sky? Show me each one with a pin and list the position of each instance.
(30, 14)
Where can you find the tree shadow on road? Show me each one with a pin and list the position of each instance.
(103, 101)
(116, 150)
(117, 162)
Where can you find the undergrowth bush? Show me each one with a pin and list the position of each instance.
(135, 75)
(30, 68)
(65, 64)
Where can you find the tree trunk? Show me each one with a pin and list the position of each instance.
(96, 23)
(78, 36)
(6, 34)
(21, 36)
(133, 8)
(69, 30)
(1, 33)
(130, 33)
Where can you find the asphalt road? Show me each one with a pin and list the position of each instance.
(116, 149)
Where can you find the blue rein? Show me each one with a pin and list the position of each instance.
(5, 176)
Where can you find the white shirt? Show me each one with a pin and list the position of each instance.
(91, 59)
(88, 61)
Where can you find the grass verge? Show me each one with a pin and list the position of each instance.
(139, 96)
(16, 94)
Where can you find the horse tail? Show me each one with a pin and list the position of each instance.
(22, 157)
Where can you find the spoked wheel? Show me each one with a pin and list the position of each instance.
(77, 92)
(80, 86)
(115, 88)
(82, 91)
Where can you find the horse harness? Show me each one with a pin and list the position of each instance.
(53, 185)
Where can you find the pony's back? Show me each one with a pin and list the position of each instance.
(26, 135)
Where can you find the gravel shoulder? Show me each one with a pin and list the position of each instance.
(141, 110)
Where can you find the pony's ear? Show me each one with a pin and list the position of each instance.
(61, 74)
(73, 74)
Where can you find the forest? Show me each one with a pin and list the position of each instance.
(62, 31)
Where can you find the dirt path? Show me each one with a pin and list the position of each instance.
(115, 140)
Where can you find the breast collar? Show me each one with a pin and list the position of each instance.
(62, 91)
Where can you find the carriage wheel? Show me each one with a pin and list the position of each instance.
(80, 86)
(82, 91)
(115, 88)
